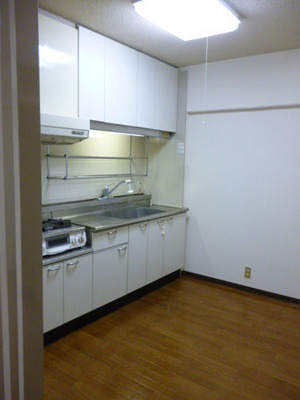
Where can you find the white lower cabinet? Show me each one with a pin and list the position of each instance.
(53, 296)
(67, 291)
(78, 278)
(124, 259)
(110, 274)
(137, 259)
(155, 250)
(174, 249)
(166, 246)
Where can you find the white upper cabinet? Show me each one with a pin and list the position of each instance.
(120, 84)
(85, 74)
(157, 94)
(91, 75)
(58, 63)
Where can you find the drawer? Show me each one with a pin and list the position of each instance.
(109, 238)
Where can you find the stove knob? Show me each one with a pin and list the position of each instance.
(81, 239)
(74, 241)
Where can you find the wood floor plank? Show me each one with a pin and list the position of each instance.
(191, 339)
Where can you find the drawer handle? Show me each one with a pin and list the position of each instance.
(160, 221)
(54, 268)
(111, 233)
(170, 219)
(73, 262)
(122, 249)
(143, 225)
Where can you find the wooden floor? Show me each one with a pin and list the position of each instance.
(189, 340)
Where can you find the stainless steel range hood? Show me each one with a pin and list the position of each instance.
(63, 130)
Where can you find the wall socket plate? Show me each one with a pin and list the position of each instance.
(247, 273)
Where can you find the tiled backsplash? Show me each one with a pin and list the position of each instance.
(165, 170)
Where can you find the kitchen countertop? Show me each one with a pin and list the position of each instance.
(47, 260)
(97, 221)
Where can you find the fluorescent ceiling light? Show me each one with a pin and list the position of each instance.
(189, 19)
(99, 134)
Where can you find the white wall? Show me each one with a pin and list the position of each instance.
(243, 186)
(268, 80)
(165, 180)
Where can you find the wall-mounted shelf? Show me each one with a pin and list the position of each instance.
(131, 171)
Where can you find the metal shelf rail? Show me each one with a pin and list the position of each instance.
(68, 157)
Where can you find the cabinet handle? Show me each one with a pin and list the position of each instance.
(54, 268)
(143, 225)
(73, 262)
(111, 233)
(122, 248)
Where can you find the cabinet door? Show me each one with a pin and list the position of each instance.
(91, 74)
(137, 259)
(120, 83)
(174, 250)
(109, 238)
(109, 275)
(53, 311)
(77, 287)
(58, 62)
(157, 94)
(155, 257)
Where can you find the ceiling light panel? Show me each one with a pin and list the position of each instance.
(189, 19)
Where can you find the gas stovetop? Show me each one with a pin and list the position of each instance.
(60, 235)
(53, 224)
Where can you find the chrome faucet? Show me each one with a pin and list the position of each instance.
(106, 192)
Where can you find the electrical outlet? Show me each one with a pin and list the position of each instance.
(247, 273)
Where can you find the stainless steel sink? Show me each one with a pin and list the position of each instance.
(130, 213)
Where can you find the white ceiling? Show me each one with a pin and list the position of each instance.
(267, 26)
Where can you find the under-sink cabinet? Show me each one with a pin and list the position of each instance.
(155, 259)
(110, 275)
(138, 252)
(174, 243)
(110, 261)
(67, 290)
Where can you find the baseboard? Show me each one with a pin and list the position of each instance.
(244, 288)
(92, 316)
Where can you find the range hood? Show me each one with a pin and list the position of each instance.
(63, 130)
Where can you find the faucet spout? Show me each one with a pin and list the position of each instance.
(106, 192)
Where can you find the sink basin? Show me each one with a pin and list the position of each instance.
(130, 213)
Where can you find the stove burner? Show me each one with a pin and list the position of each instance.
(52, 224)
